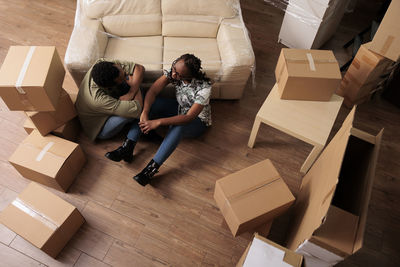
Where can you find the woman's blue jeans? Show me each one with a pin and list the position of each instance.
(161, 108)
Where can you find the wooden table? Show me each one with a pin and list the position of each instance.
(309, 121)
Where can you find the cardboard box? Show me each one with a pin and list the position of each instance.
(386, 41)
(252, 197)
(69, 130)
(309, 24)
(47, 121)
(31, 78)
(42, 218)
(363, 76)
(48, 160)
(332, 206)
(264, 252)
(307, 74)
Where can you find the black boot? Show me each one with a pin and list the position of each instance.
(124, 152)
(144, 177)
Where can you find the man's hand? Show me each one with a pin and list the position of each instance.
(147, 126)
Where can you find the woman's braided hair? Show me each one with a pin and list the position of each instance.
(193, 64)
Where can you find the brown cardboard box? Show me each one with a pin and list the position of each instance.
(303, 74)
(69, 130)
(42, 218)
(386, 41)
(47, 121)
(252, 197)
(290, 257)
(363, 76)
(39, 86)
(331, 208)
(48, 160)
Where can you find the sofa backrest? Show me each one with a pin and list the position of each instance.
(195, 18)
(126, 17)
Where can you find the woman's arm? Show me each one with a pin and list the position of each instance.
(194, 111)
(151, 94)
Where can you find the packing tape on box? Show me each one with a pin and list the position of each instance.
(44, 151)
(18, 83)
(310, 61)
(26, 208)
(235, 197)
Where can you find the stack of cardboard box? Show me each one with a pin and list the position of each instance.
(31, 80)
(373, 60)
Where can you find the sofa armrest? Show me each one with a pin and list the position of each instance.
(87, 43)
(237, 58)
(234, 44)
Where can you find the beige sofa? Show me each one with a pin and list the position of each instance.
(155, 32)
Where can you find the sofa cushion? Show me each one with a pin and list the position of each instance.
(146, 51)
(220, 8)
(204, 48)
(190, 25)
(126, 17)
(195, 18)
(133, 25)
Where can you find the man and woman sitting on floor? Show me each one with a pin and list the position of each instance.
(110, 98)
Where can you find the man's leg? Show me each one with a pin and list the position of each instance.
(114, 125)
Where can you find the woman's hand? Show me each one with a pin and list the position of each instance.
(147, 126)
(144, 117)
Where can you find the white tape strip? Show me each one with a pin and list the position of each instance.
(24, 68)
(44, 150)
(35, 214)
(311, 61)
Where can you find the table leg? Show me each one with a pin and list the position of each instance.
(310, 159)
(254, 132)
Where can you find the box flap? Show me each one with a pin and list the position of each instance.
(317, 187)
(311, 63)
(248, 179)
(44, 154)
(367, 194)
(338, 232)
(386, 41)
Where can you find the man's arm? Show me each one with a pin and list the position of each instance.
(134, 82)
(108, 105)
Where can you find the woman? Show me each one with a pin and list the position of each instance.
(187, 116)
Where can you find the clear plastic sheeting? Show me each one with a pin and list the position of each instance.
(309, 23)
(153, 33)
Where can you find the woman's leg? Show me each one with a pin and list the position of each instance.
(176, 132)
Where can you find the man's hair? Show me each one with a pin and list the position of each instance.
(104, 74)
(193, 64)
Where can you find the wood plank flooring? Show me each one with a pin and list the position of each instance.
(175, 221)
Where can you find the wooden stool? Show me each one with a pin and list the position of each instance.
(309, 121)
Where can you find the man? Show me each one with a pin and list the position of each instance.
(109, 98)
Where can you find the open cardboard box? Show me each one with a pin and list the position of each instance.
(291, 258)
(331, 209)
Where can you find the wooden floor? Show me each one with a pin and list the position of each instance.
(175, 221)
